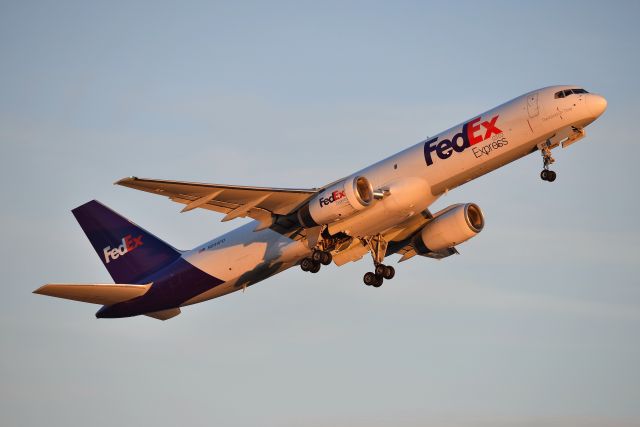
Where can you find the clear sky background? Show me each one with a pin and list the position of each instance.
(536, 323)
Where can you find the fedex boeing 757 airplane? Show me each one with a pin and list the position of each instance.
(382, 209)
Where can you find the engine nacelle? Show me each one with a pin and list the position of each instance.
(451, 226)
(336, 202)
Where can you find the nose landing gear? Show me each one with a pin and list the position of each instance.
(548, 160)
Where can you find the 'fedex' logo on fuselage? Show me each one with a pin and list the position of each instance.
(473, 132)
(128, 244)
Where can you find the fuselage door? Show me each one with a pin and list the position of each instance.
(532, 104)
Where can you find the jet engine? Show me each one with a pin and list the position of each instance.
(337, 201)
(450, 227)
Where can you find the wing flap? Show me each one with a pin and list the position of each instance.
(94, 293)
(201, 201)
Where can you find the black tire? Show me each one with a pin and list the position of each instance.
(551, 176)
(316, 256)
(379, 280)
(369, 279)
(306, 264)
(389, 272)
(326, 258)
(315, 268)
(380, 269)
(544, 175)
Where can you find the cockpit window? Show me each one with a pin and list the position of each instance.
(567, 92)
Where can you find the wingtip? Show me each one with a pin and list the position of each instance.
(40, 290)
(121, 181)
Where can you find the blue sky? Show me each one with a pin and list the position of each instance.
(536, 323)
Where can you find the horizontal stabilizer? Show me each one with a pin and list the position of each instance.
(94, 293)
(164, 314)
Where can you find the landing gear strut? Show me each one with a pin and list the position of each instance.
(548, 160)
(378, 249)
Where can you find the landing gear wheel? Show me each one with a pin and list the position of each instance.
(316, 256)
(379, 280)
(315, 268)
(544, 175)
(389, 272)
(322, 257)
(307, 264)
(548, 175)
(385, 271)
(369, 279)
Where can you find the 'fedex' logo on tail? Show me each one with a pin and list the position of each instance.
(128, 244)
(473, 132)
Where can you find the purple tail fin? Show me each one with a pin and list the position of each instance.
(129, 252)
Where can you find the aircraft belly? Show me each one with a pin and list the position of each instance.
(244, 281)
(244, 257)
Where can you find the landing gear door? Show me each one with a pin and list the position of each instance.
(532, 105)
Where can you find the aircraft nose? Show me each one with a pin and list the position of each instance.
(596, 104)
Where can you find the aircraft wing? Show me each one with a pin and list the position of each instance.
(235, 201)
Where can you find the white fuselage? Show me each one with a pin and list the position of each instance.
(413, 178)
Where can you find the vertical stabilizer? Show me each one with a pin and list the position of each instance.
(129, 252)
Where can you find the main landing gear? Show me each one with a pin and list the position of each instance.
(378, 249)
(317, 259)
(381, 272)
(546, 174)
